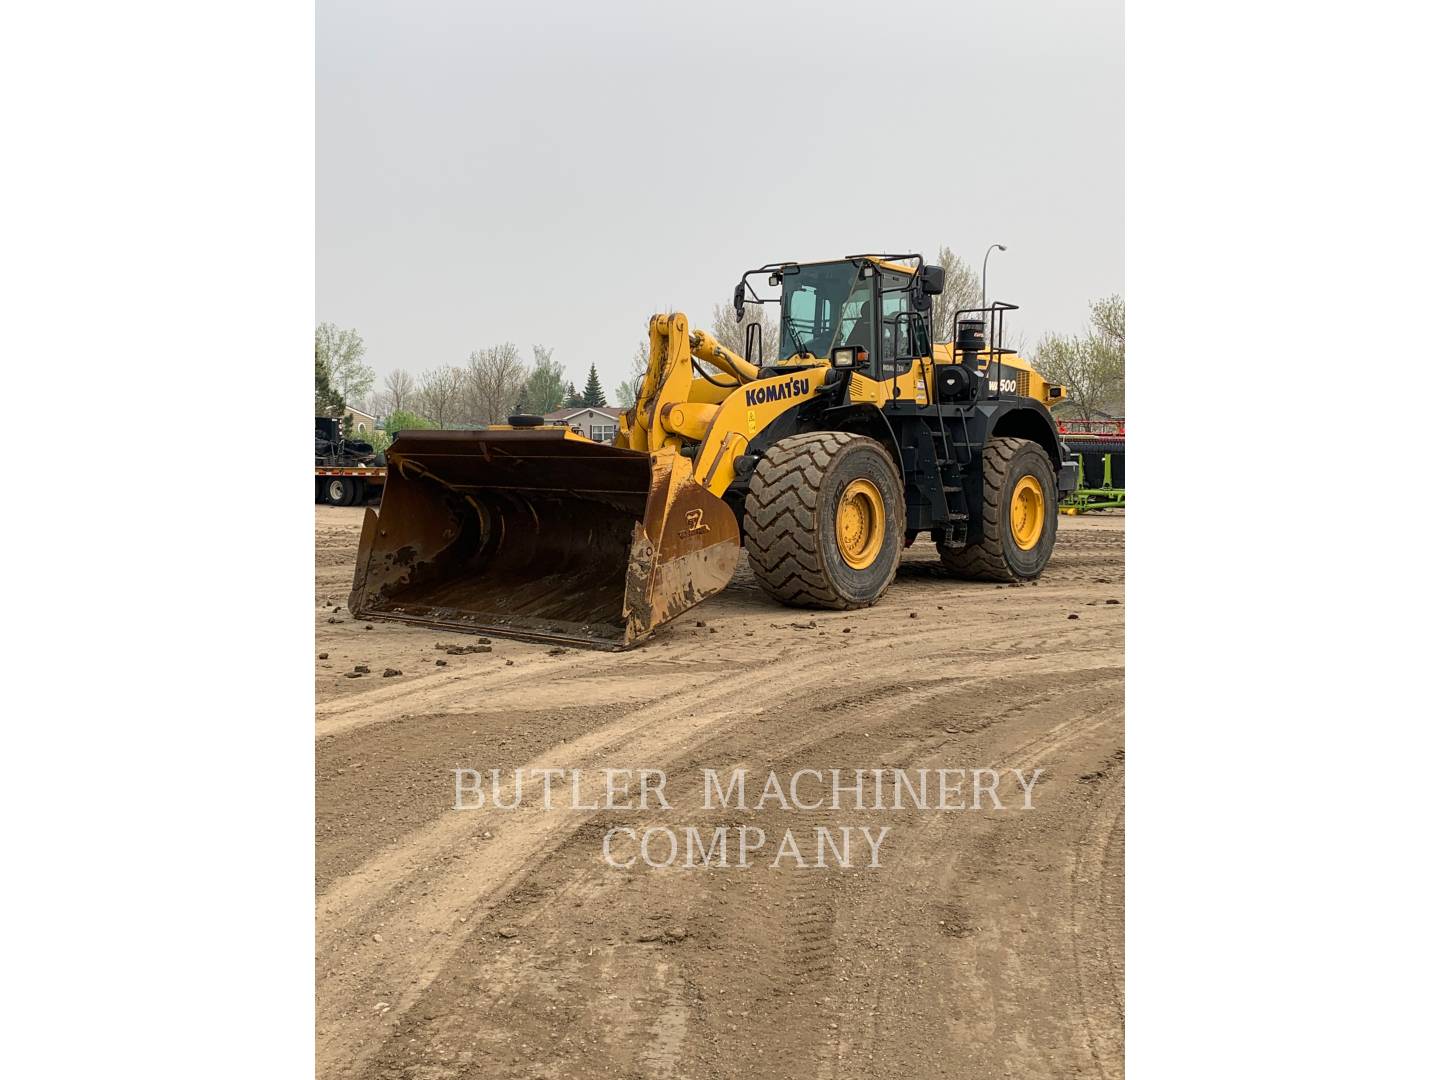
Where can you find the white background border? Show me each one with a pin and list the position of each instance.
(158, 263)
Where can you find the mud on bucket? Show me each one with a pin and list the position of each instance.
(540, 534)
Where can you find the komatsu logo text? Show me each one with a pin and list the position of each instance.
(791, 388)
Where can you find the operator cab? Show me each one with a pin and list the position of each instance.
(833, 305)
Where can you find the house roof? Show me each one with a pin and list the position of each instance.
(360, 412)
(566, 414)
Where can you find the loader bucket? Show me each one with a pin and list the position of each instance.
(539, 534)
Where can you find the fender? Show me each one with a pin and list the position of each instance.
(1023, 418)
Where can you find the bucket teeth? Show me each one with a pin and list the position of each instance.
(541, 535)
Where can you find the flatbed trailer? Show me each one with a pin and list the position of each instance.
(348, 485)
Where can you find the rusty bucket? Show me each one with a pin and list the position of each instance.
(540, 534)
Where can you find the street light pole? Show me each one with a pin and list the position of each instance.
(984, 266)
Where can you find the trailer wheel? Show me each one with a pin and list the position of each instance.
(824, 520)
(319, 489)
(339, 490)
(1018, 519)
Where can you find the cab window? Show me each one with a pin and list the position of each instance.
(906, 333)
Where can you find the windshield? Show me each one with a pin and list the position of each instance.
(824, 305)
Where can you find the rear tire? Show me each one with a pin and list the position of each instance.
(823, 521)
(1020, 504)
(339, 490)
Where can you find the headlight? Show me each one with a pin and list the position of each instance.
(848, 357)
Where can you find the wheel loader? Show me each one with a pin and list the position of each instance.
(824, 461)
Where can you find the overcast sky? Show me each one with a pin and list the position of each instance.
(553, 173)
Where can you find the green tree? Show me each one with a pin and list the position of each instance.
(342, 353)
(545, 385)
(405, 420)
(594, 394)
(327, 399)
(1092, 366)
(378, 438)
(573, 400)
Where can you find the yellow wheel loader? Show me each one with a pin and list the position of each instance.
(824, 460)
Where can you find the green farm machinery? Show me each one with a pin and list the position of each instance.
(1099, 447)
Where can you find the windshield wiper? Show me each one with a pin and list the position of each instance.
(799, 348)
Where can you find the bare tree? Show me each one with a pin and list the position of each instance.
(493, 382)
(629, 390)
(962, 290)
(440, 393)
(399, 391)
(731, 334)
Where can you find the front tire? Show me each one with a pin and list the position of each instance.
(1019, 517)
(824, 521)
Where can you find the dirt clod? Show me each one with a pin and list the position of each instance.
(390, 673)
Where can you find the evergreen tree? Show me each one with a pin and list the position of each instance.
(327, 399)
(594, 393)
(573, 400)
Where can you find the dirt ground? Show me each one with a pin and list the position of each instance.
(500, 943)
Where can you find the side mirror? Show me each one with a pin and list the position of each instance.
(932, 280)
(740, 302)
(921, 300)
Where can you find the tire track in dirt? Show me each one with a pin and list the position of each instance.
(915, 856)
(575, 993)
(461, 875)
(798, 938)
(1097, 924)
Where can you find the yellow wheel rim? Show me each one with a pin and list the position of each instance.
(860, 523)
(1027, 513)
